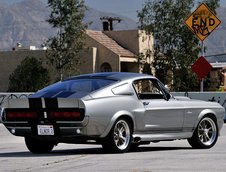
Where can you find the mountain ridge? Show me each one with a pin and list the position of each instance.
(25, 22)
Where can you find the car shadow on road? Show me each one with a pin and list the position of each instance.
(87, 151)
(157, 148)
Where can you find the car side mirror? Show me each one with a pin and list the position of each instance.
(167, 96)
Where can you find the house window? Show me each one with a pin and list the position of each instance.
(105, 67)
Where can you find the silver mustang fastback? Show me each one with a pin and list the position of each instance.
(120, 111)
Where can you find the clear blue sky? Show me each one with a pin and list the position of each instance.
(126, 8)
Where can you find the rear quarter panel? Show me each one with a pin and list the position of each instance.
(103, 112)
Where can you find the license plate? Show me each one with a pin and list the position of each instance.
(45, 130)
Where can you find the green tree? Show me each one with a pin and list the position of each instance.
(176, 47)
(29, 76)
(66, 16)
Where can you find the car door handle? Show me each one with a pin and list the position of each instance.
(189, 112)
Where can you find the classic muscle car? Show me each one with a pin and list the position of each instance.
(117, 110)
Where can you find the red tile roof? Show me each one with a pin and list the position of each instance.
(109, 43)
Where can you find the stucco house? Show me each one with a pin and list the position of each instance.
(105, 51)
(218, 72)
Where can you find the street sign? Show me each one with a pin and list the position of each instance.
(201, 67)
(202, 21)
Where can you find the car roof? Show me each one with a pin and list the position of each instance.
(112, 75)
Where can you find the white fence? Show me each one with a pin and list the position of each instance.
(219, 97)
(7, 96)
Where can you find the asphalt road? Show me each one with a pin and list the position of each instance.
(162, 156)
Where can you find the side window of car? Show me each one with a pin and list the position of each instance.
(148, 89)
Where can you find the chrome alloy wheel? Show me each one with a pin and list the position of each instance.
(122, 134)
(207, 131)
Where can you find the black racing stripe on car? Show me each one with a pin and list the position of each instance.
(51, 103)
(35, 103)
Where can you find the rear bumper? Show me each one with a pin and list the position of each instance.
(61, 128)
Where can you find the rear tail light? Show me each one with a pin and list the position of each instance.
(21, 115)
(65, 115)
(54, 114)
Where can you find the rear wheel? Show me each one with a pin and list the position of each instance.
(206, 134)
(120, 137)
(38, 146)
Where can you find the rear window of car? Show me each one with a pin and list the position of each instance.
(79, 85)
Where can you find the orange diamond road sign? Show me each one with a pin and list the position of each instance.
(202, 21)
(201, 67)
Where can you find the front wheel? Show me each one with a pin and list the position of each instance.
(206, 134)
(38, 146)
(119, 139)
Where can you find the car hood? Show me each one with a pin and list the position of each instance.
(182, 98)
(201, 103)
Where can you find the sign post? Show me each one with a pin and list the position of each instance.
(203, 55)
(202, 22)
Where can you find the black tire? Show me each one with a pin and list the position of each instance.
(119, 139)
(38, 146)
(205, 135)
